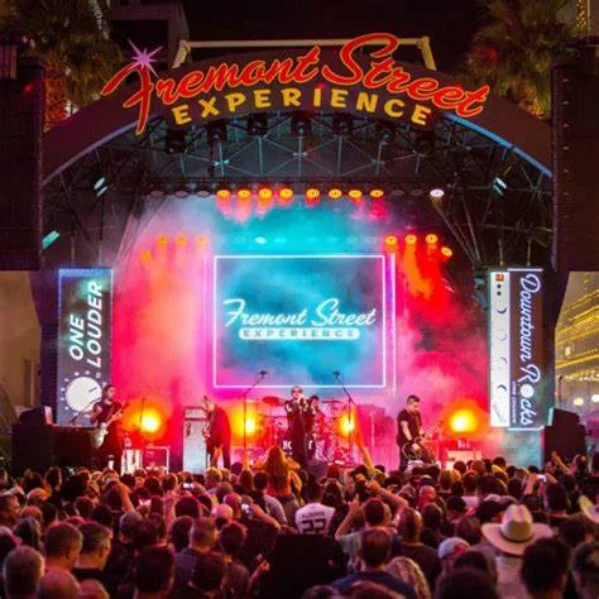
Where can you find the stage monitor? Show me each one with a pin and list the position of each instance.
(303, 317)
(83, 345)
(517, 389)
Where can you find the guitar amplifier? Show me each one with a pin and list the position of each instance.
(195, 456)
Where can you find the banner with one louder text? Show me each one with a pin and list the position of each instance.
(84, 341)
(518, 394)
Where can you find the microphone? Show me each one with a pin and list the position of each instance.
(336, 374)
(263, 373)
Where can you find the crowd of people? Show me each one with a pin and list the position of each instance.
(483, 529)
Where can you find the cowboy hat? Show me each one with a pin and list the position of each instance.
(589, 509)
(516, 532)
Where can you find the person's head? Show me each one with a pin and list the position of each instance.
(29, 530)
(514, 488)
(585, 568)
(556, 498)
(573, 532)
(260, 481)
(54, 477)
(313, 492)
(231, 538)
(179, 532)
(84, 507)
(127, 525)
(448, 551)
(456, 507)
(468, 528)
(145, 535)
(376, 547)
(410, 525)
(102, 514)
(108, 392)
(470, 482)
(409, 571)
(413, 403)
(202, 535)
(466, 582)
(296, 392)
(96, 545)
(209, 572)
(8, 542)
(477, 561)
(154, 572)
(57, 584)
(21, 571)
(375, 512)
(545, 566)
(10, 509)
(63, 545)
(187, 506)
(500, 462)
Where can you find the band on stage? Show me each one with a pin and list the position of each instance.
(308, 429)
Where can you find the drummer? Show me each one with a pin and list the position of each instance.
(315, 417)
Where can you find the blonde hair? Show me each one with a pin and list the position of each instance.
(407, 570)
(277, 468)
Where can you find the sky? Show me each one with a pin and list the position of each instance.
(449, 24)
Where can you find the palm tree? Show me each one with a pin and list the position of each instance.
(514, 48)
(71, 39)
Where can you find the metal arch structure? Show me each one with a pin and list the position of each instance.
(497, 205)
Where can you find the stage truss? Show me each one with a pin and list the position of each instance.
(497, 204)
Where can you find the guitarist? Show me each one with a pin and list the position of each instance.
(409, 430)
(217, 432)
(109, 410)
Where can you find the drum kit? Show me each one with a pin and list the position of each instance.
(324, 442)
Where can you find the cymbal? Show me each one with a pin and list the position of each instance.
(273, 401)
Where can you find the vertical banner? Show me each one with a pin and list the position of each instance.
(84, 337)
(516, 349)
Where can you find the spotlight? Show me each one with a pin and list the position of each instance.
(391, 241)
(499, 186)
(343, 124)
(145, 255)
(286, 194)
(312, 195)
(250, 426)
(201, 241)
(376, 194)
(300, 124)
(347, 425)
(244, 193)
(216, 132)
(578, 402)
(265, 193)
(49, 239)
(162, 240)
(431, 239)
(150, 422)
(463, 421)
(257, 125)
(175, 141)
(260, 240)
(157, 193)
(182, 194)
(355, 194)
(411, 239)
(100, 182)
(223, 194)
(436, 194)
(447, 252)
(181, 240)
(335, 193)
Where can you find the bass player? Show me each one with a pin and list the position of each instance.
(108, 411)
(410, 433)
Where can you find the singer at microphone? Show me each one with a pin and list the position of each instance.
(263, 373)
(336, 374)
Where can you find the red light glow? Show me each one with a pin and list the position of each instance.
(312, 195)
(223, 194)
(244, 193)
(376, 194)
(265, 193)
(355, 194)
(431, 239)
(335, 193)
(391, 241)
(447, 252)
(411, 239)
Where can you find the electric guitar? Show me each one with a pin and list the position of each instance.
(101, 431)
(415, 449)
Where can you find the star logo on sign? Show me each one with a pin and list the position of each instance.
(144, 58)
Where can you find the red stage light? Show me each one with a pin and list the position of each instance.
(28, 89)
(223, 194)
(265, 193)
(312, 195)
(355, 194)
(411, 239)
(376, 194)
(286, 194)
(250, 426)
(244, 193)
(335, 193)
(391, 241)
(447, 252)
(347, 425)
(431, 239)
(463, 421)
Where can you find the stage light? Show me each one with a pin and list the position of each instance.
(100, 182)
(335, 193)
(355, 194)
(376, 194)
(347, 425)
(244, 193)
(265, 193)
(250, 426)
(447, 252)
(181, 240)
(578, 402)
(463, 421)
(223, 194)
(260, 240)
(49, 239)
(145, 256)
(391, 241)
(157, 194)
(182, 194)
(312, 195)
(286, 194)
(499, 186)
(175, 141)
(595, 398)
(431, 239)
(162, 240)
(150, 422)
(436, 194)
(201, 242)
(411, 239)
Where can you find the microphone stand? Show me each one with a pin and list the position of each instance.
(350, 403)
(260, 376)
